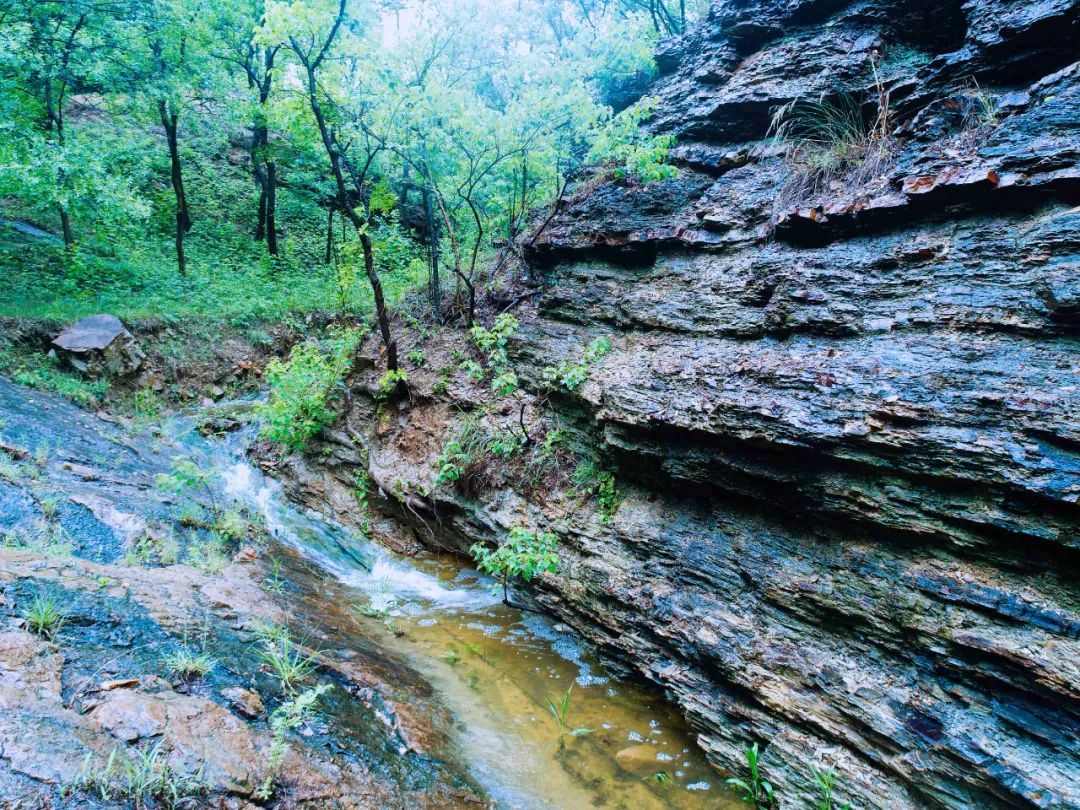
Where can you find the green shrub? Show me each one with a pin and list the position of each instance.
(525, 554)
(304, 389)
(623, 144)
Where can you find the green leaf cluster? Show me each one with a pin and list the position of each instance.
(572, 374)
(525, 553)
(631, 151)
(305, 388)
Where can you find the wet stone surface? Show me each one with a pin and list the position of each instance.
(77, 505)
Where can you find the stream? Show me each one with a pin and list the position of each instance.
(493, 665)
(431, 625)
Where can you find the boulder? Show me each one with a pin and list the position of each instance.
(99, 345)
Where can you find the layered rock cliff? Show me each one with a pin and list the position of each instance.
(842, 419)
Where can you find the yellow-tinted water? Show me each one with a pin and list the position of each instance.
(497, 667)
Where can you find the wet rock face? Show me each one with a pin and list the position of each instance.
(844, 425)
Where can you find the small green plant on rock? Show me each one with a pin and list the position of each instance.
(560, 710)
(416, 357)
(571, 375)
(234, 525)
(141, 777)
(754, 790)
(825, 781)
(10, 470)
(44, 618)
(525, 554)
(601, 483)
(492, 342)
(142, 552)
(390, 382)
(274, 581)
(460, 452)
(287, 717)
(187, 476)
(188, 664)
(834, 142)
(47, 541)
(208, 554)
(286, 660)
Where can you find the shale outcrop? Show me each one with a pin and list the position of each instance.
(842, 418)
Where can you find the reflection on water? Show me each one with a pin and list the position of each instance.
(495, 668)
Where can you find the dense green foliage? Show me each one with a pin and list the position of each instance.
(182, 156)
(303, 389)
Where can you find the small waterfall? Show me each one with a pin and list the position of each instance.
(390, 583)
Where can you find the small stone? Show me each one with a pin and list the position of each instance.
(121, 683)
(246, 555)
(245, 701)
(637, 759)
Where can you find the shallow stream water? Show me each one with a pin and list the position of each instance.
(493, 666)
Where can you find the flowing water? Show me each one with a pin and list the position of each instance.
(493, 666)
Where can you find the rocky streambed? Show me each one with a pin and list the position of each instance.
(436, 692)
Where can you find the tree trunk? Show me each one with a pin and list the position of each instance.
(433, 255)
(181, 259)
(65, 225)
(183, 215)
(380, 304)
(271, 208)
(331, 147)
(329, 235)
(260, 227)
(55, 122)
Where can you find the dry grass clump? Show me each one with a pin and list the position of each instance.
(841, 146)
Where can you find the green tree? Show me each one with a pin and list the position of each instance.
(525, 554)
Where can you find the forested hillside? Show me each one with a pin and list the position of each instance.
(250, 159)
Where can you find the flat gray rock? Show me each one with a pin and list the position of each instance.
(99, 345)
(95, 333)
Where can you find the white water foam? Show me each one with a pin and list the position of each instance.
(387, 581)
